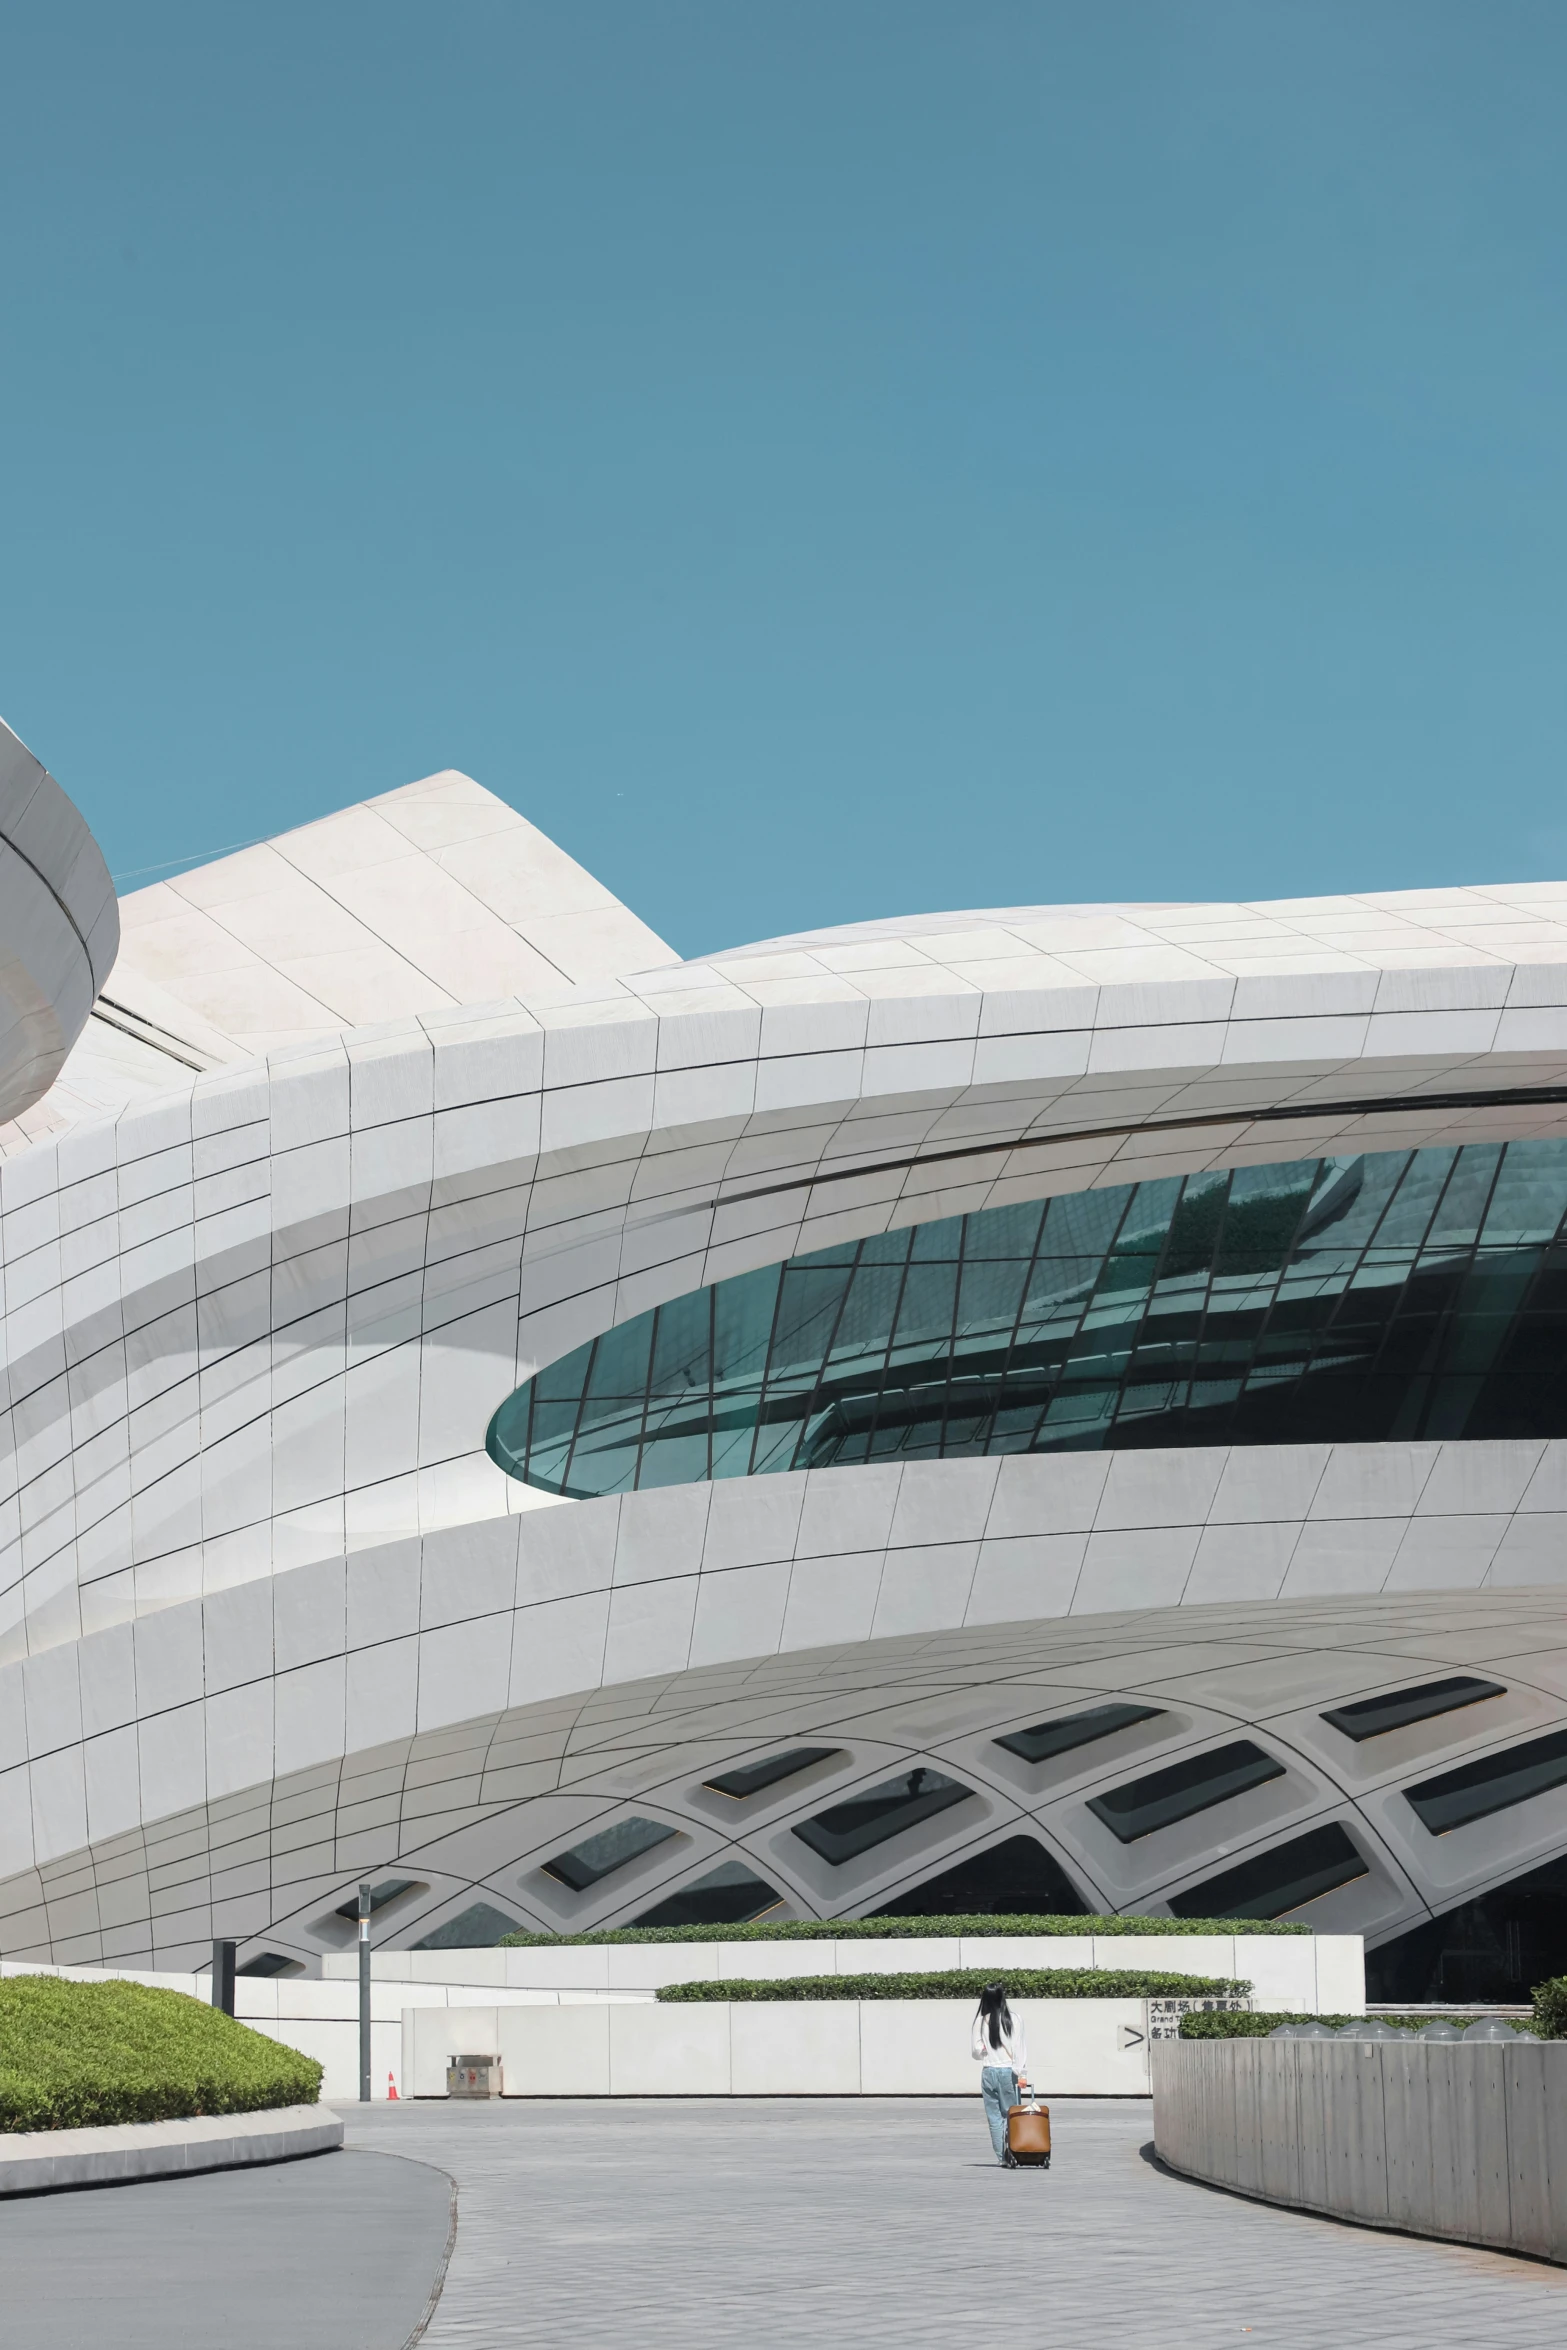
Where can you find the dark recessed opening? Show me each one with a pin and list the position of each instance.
(751, 1778)
(389, 1889)
(478, 1927)
(271, 1962)
(1277, 1881)
(1495, 1783)
(1018, 1878)
(846, 1830)
(1071, 1730)
(1493, 1948)
(1144, 1805)
(730, 1895)
(596, 1857)
(1373, 1717)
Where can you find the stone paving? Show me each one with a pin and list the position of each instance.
(724, 2226)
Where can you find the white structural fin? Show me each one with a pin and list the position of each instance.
(424, 898)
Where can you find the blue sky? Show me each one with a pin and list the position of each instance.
(823, 460)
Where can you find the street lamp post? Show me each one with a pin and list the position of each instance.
(364, 1994)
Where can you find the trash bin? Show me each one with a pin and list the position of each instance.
(473, 2076)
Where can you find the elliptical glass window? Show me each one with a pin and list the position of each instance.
(1395, 1295)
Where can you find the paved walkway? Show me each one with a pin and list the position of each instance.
(790, 2225)
(335, 2253)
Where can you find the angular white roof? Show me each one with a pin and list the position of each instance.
(434, 895)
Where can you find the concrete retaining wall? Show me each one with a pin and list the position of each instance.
(782, 2048)
(34, 2161)
(1445, 2138)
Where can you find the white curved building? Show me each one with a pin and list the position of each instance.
(1052, 1408)
(59, 926)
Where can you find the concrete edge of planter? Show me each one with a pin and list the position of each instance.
(34, 2161)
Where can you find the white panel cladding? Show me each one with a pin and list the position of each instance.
(273, 1312)
(255, 1327)
(418, 1706)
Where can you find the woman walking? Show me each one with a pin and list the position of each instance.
(1002, 2051)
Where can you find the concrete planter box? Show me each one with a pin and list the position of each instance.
(783, 2048)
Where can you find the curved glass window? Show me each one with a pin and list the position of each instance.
(1400, 1294)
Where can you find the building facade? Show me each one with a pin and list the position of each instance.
(1040, 1409)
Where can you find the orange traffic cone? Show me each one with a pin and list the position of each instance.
(391, 2089)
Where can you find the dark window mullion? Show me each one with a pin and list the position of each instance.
(1458, 1282)
(767, 1365)
(813, 1400)
(886, 1359)
(1136, 1339)
(1086, 1308)
(647, 1389)
(1266, 1323)
(1009, 1355)
(1203, 1310)
(576, 1426)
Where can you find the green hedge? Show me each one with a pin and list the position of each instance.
(1550, 2009)
(73, 2055)
(1215, 2024)
(902, 1929)
(967, 1983)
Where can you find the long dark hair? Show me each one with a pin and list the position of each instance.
(995, 2013)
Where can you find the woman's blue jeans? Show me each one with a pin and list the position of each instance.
(998, 2086)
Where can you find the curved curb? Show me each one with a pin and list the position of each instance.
(35, 2162)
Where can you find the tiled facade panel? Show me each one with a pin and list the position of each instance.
(332, 1680)
(270, 1617)
(269, 1316)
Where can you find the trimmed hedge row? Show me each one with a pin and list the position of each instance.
(1550, 2009)
(902, 1929)
(75, 2055)
(967, 1983)
(1216, 2024)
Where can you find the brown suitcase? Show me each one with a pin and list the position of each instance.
(1028, 2137)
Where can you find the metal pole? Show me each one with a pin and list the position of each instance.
(223, 1976)
(364, 1994)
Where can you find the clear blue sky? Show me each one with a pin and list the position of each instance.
(824, 459)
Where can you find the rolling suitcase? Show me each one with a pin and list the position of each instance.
(1028, 2136)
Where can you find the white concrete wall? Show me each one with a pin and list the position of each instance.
(1304, 1974)
(775, 2048)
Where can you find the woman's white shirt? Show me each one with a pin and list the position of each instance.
(1013, 2050)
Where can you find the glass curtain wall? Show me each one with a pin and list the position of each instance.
(1400, 1294)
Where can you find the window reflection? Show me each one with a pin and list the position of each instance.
(582, 1865)
(1399, 1294)
(1161, 1798)
(1373, 1717)
(1276, 1882)
(846, 1830)
(1495, 1783)
(1069, 1731)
